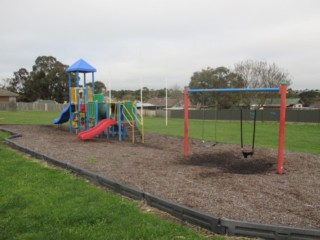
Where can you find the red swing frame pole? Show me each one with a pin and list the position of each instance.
(186, 123)
(282, 124)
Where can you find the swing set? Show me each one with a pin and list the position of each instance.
(282, 91)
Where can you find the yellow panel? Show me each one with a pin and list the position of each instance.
(90, 95)
(73, 91)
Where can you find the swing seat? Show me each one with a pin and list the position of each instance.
(246, 154)
(206, 144)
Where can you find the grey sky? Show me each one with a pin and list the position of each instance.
(153, 40)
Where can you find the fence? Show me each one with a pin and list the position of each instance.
(23, 106)
(292, 115)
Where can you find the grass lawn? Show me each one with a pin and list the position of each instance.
(298, 137)
(27, 117)
(39, 202)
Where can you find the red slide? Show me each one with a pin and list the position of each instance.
(96, 130)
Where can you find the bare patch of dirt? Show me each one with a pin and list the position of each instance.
(213, 179)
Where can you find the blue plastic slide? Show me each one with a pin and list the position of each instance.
(64, 115)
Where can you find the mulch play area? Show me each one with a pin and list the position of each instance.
(214, 179)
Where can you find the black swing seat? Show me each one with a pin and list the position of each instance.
(247, 153)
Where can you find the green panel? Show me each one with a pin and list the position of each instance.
(91, 109)
(98, 98)
(128, 111)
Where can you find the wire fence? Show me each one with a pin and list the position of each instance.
(23, 106)
(265, 115)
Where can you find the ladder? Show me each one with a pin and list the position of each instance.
(133, 132)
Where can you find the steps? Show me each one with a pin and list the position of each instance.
(137, 138)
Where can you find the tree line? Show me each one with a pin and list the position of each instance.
(245, 74)
(49, 80)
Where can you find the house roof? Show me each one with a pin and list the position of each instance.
(162, 101)
(6, 93)
(81, 66)
(144, 105)
(276, 101)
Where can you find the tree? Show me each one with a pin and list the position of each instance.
(49, 80)
(257, 74)
(161, 93)
(260, 74)
(16, 84)
(99, 87)
(58, 83)
(309, 97)
(292, 93)
(220, 77)
(175, 92)
(145, 93)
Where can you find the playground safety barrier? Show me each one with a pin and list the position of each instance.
(192, 216)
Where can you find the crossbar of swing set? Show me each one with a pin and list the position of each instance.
(234, 90)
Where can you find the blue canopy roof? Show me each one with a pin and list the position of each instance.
(81, 66)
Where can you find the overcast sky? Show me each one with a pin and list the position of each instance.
(151, 41)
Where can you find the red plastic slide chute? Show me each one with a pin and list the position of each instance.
(96, 130)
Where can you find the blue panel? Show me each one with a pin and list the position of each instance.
(81, 66)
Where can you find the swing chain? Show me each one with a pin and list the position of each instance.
(248, 153)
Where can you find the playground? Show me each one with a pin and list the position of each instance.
(108, 138)
(216, 180)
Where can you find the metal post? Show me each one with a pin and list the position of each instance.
(107, 116)
(282, 123)
(78, 103)
(96, 113)
(92, 84)
(119, 121)
(69, 99)
(186, 116)
(85, 93)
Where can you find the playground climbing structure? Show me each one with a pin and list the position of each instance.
(90, 115)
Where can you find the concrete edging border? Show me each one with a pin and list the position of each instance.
(195, 217)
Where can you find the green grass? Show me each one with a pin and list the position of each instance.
(27, 117)
(298, 137)
(37, 202)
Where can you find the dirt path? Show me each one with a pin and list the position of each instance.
(216, 180)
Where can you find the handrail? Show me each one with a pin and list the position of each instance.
(127, 111)
(141, 123)
(134, 118)
(132, 125)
